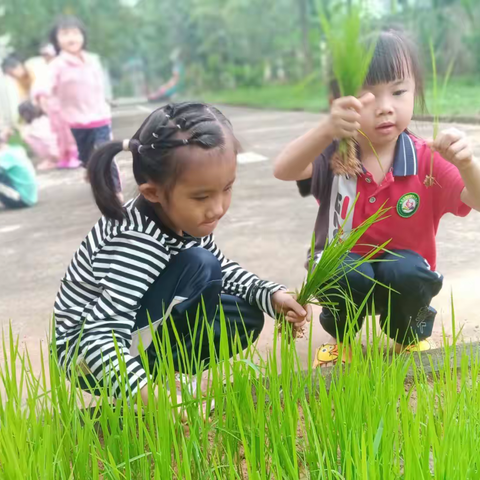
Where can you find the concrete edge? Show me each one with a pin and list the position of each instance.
(429, 362)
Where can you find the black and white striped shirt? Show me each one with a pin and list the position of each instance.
(107, 279)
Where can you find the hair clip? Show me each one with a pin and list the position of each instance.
(155, 135)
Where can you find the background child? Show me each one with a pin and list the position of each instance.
(22, 77)
(157, 254)
(175, 83)
(36, 132)
(66, 145)
(76, 82)
(383, 112)
(18, 186)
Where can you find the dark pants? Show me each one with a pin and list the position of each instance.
(88, 139)
(195, 275)
(8, 195)
(405, 316)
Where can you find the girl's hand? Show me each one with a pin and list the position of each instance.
(344, 121)
(453, 146)
(294, 313)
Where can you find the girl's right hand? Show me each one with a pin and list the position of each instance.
(345, 114)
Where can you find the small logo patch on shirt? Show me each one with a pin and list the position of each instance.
(408, 205)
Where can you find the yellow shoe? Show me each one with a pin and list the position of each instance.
(327, 353)
(421, 346)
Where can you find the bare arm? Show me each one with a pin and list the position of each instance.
(173, 80)
(295, 162)
(471, 177)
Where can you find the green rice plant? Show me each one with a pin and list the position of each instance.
(326, 270)
(350, 56)
(380, 417)
(437, 98)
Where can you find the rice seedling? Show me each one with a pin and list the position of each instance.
(350, 58)
(380, 417)
(325, 270)
(436, 100)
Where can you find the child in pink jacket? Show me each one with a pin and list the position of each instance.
(76, 81)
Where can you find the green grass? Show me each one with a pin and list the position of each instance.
(367, 423)
(312, 97)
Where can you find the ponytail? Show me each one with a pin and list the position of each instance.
(153, 147)
(102, 173)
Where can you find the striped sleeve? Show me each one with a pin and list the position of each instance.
(243, 284)
(125, 267)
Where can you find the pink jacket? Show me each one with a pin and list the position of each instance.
(77, 84)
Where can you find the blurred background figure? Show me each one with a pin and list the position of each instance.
(37, 66)
(21, 77)
(176, 82)
(36, 131)
(27, 77)
(18, 185)
(76, 84)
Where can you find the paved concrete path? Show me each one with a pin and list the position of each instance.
(267, 230)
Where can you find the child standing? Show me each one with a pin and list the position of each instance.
(383, 111)
(76, 82)
(157, 254)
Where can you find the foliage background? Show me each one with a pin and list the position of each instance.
(228, 44)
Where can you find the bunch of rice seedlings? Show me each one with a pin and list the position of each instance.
(350, 58)
(325, 271)
(436, 100)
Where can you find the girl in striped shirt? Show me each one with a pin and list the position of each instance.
(156, 256)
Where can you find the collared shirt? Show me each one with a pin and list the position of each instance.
(77, 82)
(415, 210)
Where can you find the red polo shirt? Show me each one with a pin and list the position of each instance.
(415, 210)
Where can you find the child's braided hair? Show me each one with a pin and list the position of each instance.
(153, 147)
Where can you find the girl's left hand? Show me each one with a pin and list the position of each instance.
(453, 146)
(294, 313)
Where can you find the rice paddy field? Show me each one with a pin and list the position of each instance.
(384, 416)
